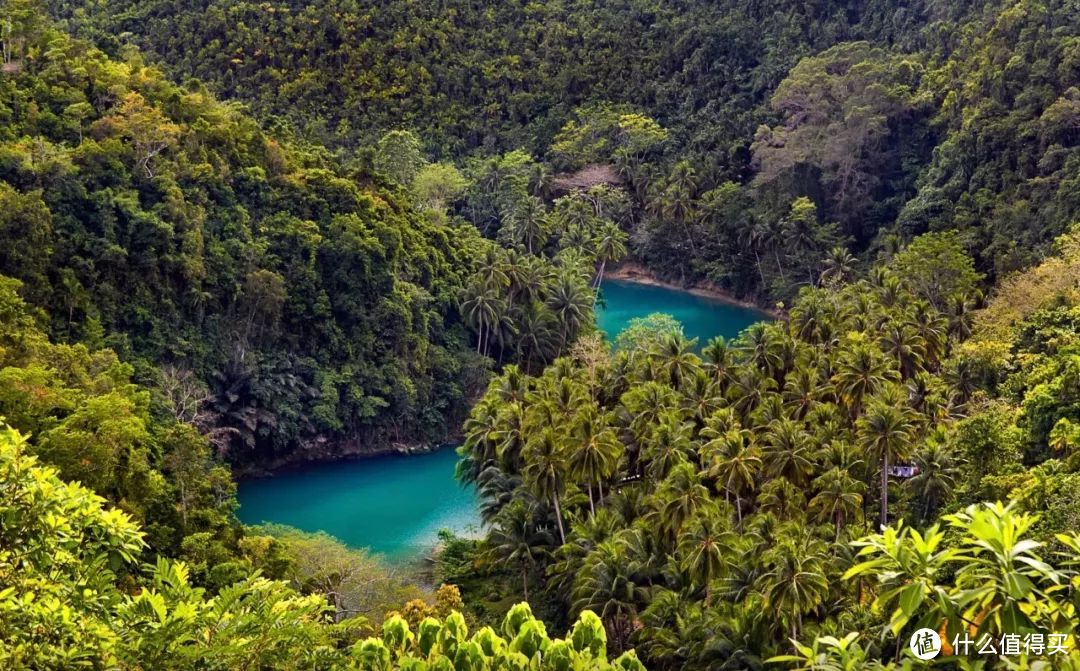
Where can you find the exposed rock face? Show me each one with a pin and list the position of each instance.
(587, 177)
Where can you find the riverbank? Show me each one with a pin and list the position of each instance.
(322, 450)
(636, 273)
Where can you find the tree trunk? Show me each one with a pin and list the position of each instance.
(884, 488)
(600, 274)
(558, 518)
(525, 581)
(592, 508)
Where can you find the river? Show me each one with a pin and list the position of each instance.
(395, 505)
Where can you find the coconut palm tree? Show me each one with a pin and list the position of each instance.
(538, 334)
(839, 266)
(610, 246)
(571, 302)
(719, 360)
(674, 357)
(794, 583)
(839, 498)
(606, 586)
(515, 538)
(860, 371)
(595, 451)
(906, 346)
(788, 451)
(936, 480)
(702, 542)
(481, 308)
(667, 446)
(678, 497)
(735, 461)
(545, 471)
(886, 434)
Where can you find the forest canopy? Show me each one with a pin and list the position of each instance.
(236, 235)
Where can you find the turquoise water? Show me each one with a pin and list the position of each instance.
(702, 318)
(395, 505)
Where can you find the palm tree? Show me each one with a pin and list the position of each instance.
(595, 453)
(885, 432)
(514, 267)
(768, 236)
(479, 448)
(735, 462)
(803, 390)
(667, 446)
(679, 496)
(571, 303)
(860, 371)
(481, 308)
(533, 278)
(674, 357)
(511, 436)
(538, 336)
(762, 347)
(606, 586)
(574, 211)
(936, 479)
(838, 499)
(702, 541)
(794, 583)
(514, 538)
(719, 361)
(788, 451)
(610, 247)
(539, 181)
(545, 471)
(839, 266)
(491, 271)
(703, 397)
(906, 346)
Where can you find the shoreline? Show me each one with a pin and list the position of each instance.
(302, 461)
(635, 273)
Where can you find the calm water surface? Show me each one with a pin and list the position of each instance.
(702, 318)
(396, 505)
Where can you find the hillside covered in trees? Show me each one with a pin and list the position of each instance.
(236, 235)
(894, 119)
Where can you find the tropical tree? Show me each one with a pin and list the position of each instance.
(594, 453)
(936, 480)
(605, 584)
(794, 582)
(610, 247)
(571, 303)
(546, 469)
(886, 433)
(702, 542)
(516, 539)
(839, 498)
(735, 461)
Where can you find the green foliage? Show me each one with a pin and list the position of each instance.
(524, 644)
(72, 596)
(87, 418)
(995, 580)
(306, 298)
(938, 268)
